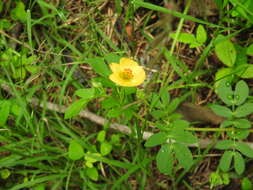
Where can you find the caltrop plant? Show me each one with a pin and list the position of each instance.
(236, 125)
(173, 136)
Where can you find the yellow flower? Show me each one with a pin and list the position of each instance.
(127, 73)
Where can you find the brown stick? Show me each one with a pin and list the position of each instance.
(202, 143)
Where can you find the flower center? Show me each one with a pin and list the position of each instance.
(126, 74)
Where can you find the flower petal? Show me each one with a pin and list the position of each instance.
(126, 62)
(115, 67)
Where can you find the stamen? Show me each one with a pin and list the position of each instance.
(127, 74)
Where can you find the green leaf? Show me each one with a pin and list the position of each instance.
(92, 173)
(222, 111)
(114, 112)
(225, 92)
(110, 102)
(180, 124)
(19, 13)
(105, 148)
(246, 184)
(226, 52)
(4, 23)
(19, 73)
(244, 110)
(244, 149)
(184, 37)
(157, 114)
(201, 35)
(165, 96)
(4, 112)
(183, 136)
(75, 108)
(155, 101)
(156, 139)
(183, 155)
(164, 159)
(242, 123)
(225, 161)
(241, 57)
(101, 136)
(173, 105)
(241, 92)
(224, 145)
(112, 58)
(238, 134)
(247, 71)
(250, 50)
(87, 93)
(99, 66)
(239, 163)
(5, 174)
(75, 150)
(226, 123)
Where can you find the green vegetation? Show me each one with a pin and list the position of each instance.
(75, 112)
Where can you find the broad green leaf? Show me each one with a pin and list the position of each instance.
(114, 112)
(225, 161)
(244, 110)
(224, 73)
(92, 173)
(105, 148)
(250, 50)
(242, 123)
(4, 24)
(184, 37)
(173, 105)
(99, 66)
(241, 57)
(112, 58)
(247, 71)
(225, 92)
(165, 96)
(19, 73)
(15, 109)
(180, 124)
(156, 139)
(241, 92)
(164, 159)
(101, 136)
(157, 114)
(183, 136)
(222, 111)
(238, 134)
(87, 93)
(183, 155)
(5, 174)
(75, 108)
(224, 145)
(33, 69)
(109, 103)
(201, 35)
(244, 149)
(40, 187)
(4, 112)
(195, 44)
(155, 101)
(115, 139)
(239, 163)
(226, 123)
(75, 150)
(19, 13)
(246, 184)
(226, 52)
